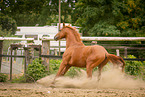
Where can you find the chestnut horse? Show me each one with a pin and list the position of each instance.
(79, 55)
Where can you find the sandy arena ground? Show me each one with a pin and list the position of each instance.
(33, 90)
(112, 84)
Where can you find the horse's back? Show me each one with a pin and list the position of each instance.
(99, 49)
(96, 52)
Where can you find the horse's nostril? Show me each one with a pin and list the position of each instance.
(56, 37)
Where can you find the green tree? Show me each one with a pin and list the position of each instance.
(28, 12)
(8, 25)
(133, 20)
(25, 12)
(32, 12)
(90, 13)
(125, 17)
(50, 11)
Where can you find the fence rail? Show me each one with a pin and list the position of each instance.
(103, 38)
(12, 56)
(15, 38)
(60, 57)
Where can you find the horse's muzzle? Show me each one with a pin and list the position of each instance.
(56, 38)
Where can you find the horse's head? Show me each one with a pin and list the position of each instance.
(61, 34)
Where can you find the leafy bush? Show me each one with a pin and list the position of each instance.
(136, 68)
(73, 71)
(20, 79)
(36, 70)
(3, 77)
(54, 66)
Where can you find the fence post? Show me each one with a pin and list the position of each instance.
(11, 63)
(1, 52)
(55, 52)
(27, 59)
(31, 54)
(40, 51)
(125, 52)
(117, 52)
(45, 51)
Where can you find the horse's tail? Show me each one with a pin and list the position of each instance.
(116, 60)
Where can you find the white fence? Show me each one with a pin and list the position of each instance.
(103, 38)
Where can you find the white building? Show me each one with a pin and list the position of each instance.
(39, 32)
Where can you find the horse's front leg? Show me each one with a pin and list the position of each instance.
(61, 69)
(59, 73)
(65, 70)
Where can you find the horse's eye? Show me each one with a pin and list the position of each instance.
(59, 30)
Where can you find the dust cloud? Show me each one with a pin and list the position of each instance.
(111, 78)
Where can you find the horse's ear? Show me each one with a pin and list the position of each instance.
(63, 24)
(69, 25)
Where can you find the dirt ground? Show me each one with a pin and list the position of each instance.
(37, 90)
(113, 83)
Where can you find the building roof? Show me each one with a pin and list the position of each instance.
(35, 30)
(50, 30)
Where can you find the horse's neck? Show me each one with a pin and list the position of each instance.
(72, 41)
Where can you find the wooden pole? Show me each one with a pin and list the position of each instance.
(125, 52)
(59, 22)
(117, 52)
(27, 59)
(59, 48)
(55, 52)
(11, 63)
(31, 54)
(59, 12)
(45, 51)
(1, 52)
(39, 51)
(25, 64)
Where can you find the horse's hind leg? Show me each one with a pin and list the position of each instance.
(90, 65)
(89, 71)
(100, 67)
